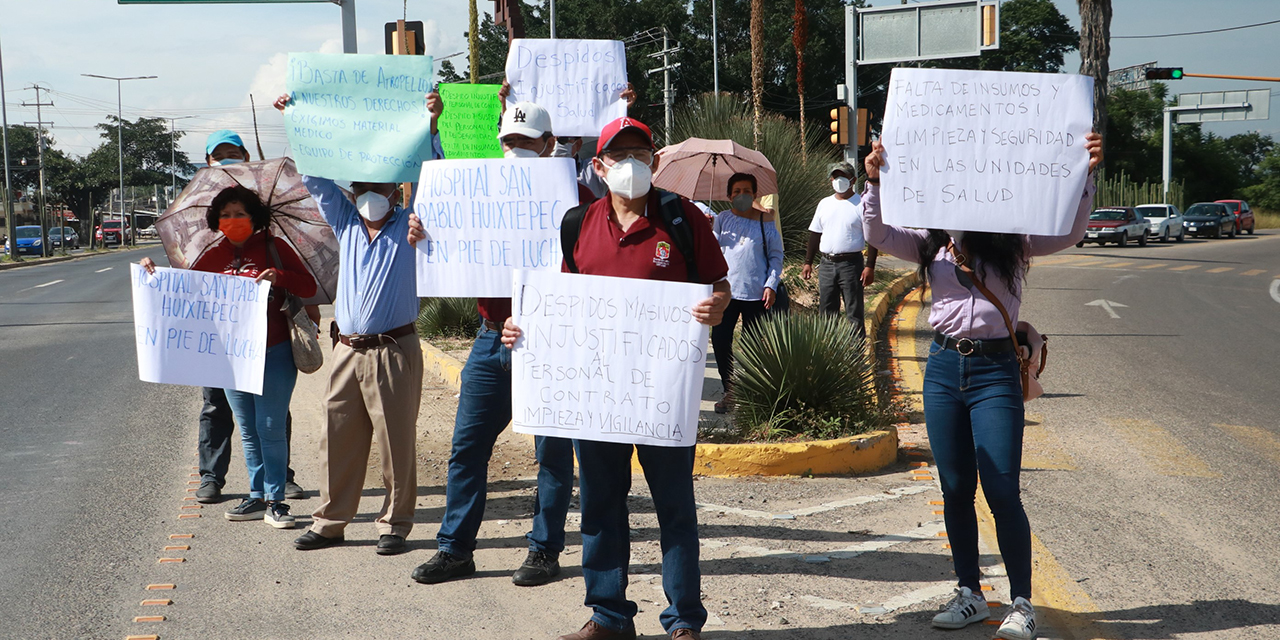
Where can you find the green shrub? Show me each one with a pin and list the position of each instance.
(448, 317)
(806, 376)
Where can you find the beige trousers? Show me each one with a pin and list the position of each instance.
(371, 392)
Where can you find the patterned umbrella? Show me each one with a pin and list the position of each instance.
(699, 169)
(294, 217)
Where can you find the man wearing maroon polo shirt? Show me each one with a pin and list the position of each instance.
(625, 234)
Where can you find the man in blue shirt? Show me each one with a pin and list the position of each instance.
(375, 379)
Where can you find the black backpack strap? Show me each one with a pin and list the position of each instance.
(678, 227)
(570, 227)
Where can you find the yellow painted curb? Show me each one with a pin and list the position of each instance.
(441, 364)
(880, 305)
(857, 454)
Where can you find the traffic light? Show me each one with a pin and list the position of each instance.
(840, 126)
(1164, 73)
(864, 126)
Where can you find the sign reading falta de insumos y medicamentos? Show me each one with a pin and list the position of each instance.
(359, 117)
(200, 329)
(985, 150)
(607, 359)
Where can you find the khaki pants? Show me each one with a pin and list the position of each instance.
(371, 391)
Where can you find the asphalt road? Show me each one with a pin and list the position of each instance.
(1151, 463)
(80, 437)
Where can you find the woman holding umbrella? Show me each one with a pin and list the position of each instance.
(753, 250)
(247, 249)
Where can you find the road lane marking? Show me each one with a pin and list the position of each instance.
(1257, 439)
(1117, 265)
(1164, 453)
(1108, 306)
(101, 270)
(1090, 263)
(1222, 270)
(1154, 266)
(1186, 267)
(47, 284)
(1253, 272)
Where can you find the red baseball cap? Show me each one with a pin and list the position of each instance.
(618, 126)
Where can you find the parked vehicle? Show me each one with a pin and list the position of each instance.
(28, 240)
(57, 234)
(148, 232)
(1118, 225)
(1210, 219)
(1244, 215)
(109, 233)
(1165, 221)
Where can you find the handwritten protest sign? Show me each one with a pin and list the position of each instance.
(484, 218)
(579, 82)
(609, 359)
(469, 126)
(200, 329)
(359, 117)
(985, 150)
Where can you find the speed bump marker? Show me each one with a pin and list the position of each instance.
(993, 621)
(994, 605)
(148, 618)
(919, 464)
(183, 516)
(939, 513)
(178, 547)
(921, 477)
(161, 587)
(193, 475)
(186, 498)
(150, 637)
(181, 536)
(192, 506)
(946, 546)
(937, 503)
(191, 489)
(157, 602)
(942, 534)
(193, 482)
(171, 560)
(987, 587)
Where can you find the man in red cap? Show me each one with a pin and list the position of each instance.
(636, 231)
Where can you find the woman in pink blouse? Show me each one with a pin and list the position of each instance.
(972, 388)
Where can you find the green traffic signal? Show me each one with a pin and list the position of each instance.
(1164, 73)
(1176, 74)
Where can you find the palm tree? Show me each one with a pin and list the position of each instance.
(799, 39)
(757, 65)
(1095, 49)
(473, 42)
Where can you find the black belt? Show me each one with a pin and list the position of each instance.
(491, 325)
(842, 257)
(368, 340)
(970, 347)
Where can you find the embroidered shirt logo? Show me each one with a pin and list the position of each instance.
(662, 255)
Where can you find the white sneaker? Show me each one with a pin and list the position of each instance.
(1020, 624)
(964, 609)
(277, 515)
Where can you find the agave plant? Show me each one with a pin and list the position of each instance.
(448, 317)
(803, 375)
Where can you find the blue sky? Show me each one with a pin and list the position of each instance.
(210, 58)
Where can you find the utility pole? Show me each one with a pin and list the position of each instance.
(8, 186)
(715, 53)
(173, 154)
(120, 140)
(668, 95)
(348, 25)
(849, 91)
(44, 203)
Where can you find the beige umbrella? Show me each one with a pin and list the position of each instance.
(699, 169)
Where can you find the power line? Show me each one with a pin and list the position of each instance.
(1197, 33)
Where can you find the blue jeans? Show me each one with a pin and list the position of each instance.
(604, 478)
(262, 419)
(484, 410)
(974, 414)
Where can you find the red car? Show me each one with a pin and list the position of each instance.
(112, 228)
(1244, 215)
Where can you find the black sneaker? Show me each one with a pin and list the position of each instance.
(248, 509)
(442, 567)
(209, 492)
(277, 515)
(390, 545)
(538, 568)
(293, 492)
(311, 541)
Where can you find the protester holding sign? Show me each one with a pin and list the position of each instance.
(217, 422)
(638, 232)
(247, 250)
(375, 380)
(753, 250)
(484, 410)
(973, 400)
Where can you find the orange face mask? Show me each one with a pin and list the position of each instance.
(236, 229)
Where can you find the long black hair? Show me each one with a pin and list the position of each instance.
(1004, 254)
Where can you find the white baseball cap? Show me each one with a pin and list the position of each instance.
(525, 118)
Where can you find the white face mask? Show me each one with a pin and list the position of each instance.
(226, 162)
(373, 206)
(629, 178)
(521, 152)
(840, 185)
(562, 151)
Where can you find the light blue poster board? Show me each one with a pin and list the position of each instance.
(359, 117)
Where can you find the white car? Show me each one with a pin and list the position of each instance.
(1165, 220)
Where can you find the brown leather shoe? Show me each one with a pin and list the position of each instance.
(685, 634)
(593, 631)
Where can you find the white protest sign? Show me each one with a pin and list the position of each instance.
(484, 218)
(608, 359)
(200, 329)
(579, 82)
(985, 150)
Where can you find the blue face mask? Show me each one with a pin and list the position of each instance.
(226, 162)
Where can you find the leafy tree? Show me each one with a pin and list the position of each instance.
(1034, 36)
(22, 145)
(1133, 135)
(1266, 193)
